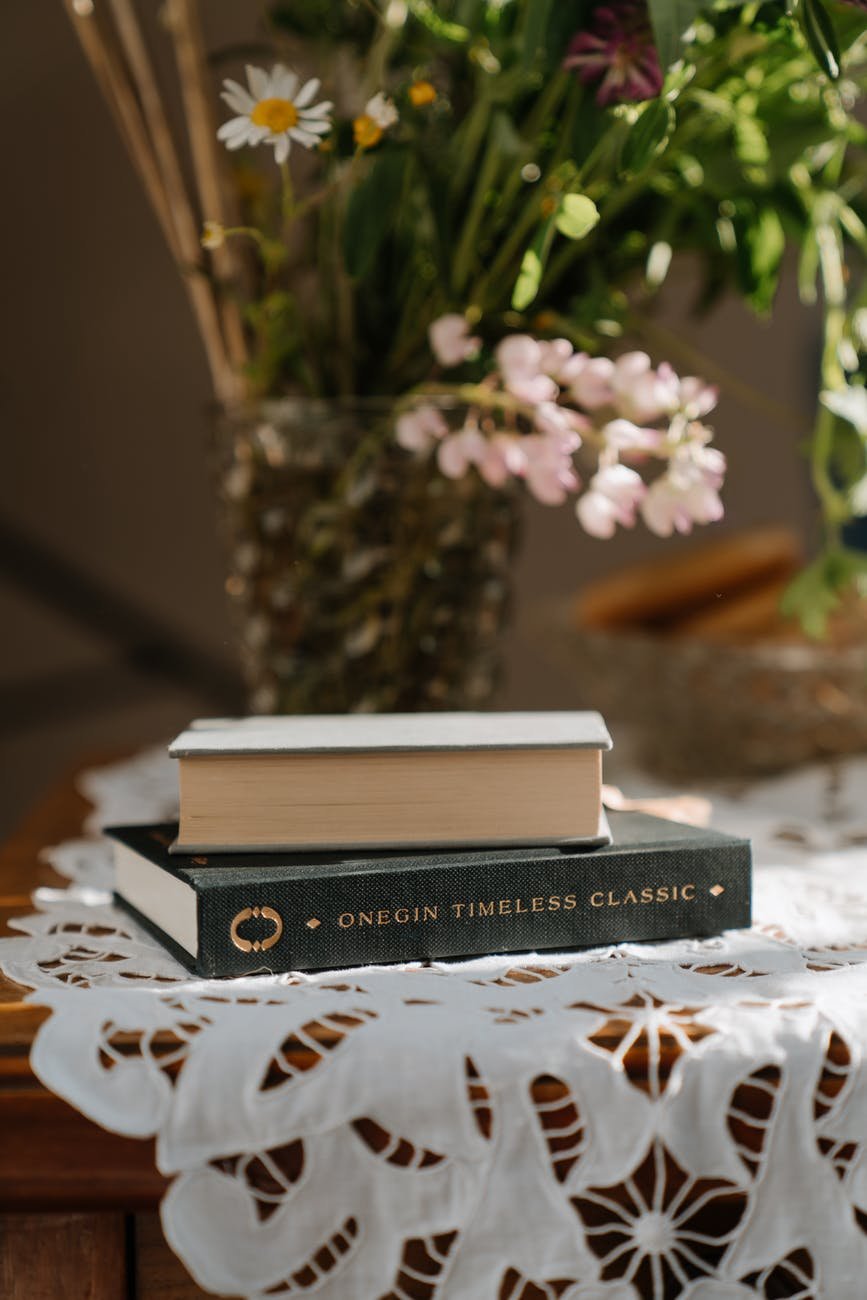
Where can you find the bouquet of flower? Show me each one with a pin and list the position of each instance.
(468, 207)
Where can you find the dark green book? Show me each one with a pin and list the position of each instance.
(234, 914)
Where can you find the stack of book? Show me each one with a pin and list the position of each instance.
(307, 843)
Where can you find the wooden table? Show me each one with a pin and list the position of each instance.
(78, 1205)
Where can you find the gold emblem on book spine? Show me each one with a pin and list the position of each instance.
(256, 945)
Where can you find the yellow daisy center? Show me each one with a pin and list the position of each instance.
(367, 131)
(277, 115)
(421, 93)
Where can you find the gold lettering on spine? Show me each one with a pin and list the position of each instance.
(659, 894)
(480, 909)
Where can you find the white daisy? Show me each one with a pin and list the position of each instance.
(274, 111)
(213, 235)
(379, 114)
(382, 110)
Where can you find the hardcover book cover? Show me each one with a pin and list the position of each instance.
(236, 914)
(344, 783)
(366, 733)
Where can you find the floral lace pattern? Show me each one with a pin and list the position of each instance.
(682, 1119)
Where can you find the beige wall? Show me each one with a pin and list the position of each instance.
(104, 394)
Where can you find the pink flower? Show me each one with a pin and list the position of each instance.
(627, 438)
(674, 506)
(555, 354)
(554, 401)
(688, 493)
(612, 498)
(457, 452)
(641, 393)
(520, 359)
(708, 461)
(589, 380)
(561, 422)
(549, 473)
(618, 53)
(451, 341)
(504, 458)
(496, 458)
(695, 398)
(418, 429)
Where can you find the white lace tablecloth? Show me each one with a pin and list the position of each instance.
(408, 1160)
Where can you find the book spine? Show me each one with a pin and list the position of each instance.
(452, 910)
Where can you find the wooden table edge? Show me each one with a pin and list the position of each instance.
(53, 1158)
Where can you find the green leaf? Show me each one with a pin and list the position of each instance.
(810, 600)
(821, 37)
(536, 19)
(564, 19)
(504, 136)
(817, 591)
(533, 267)
(648, 136)
(751, 144)
(761, 245)
(576, 216)
(670, 19)
(372, 210)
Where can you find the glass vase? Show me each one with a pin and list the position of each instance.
(362, 580)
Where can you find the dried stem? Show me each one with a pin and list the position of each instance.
(186, 30)
(112, 76)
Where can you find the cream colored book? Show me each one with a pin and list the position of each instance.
(390, 780)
